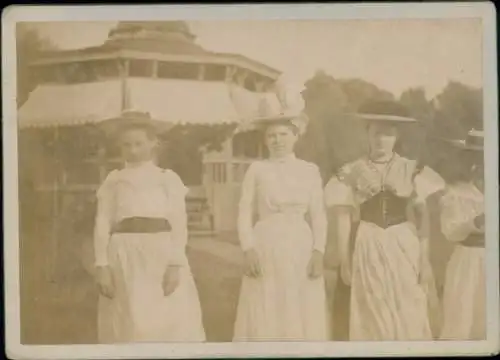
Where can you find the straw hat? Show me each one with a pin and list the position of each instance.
(132, 117)
(473, 141)
(384, 111)
(285, 106)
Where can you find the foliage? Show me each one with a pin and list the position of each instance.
(29, 46)
(334, 137)
(182, 148)
(459, 108)
(360, 91)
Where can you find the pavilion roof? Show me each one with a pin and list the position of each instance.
(151, 37)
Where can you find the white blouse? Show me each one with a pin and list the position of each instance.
(357, 182)
(460, 205)
(287, 185)
(141, 191)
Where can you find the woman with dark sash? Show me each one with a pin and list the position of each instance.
(147, 291)
(379, 203)
(462, 222)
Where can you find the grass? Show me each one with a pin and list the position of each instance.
(65, 311)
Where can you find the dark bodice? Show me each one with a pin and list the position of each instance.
(474, 240)
(385, 209)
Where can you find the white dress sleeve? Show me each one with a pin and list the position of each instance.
(177, 192)
(104, 218)
(246, 208)
(457, 218)
(318, 212)
(426, 183)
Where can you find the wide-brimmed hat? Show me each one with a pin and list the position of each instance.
(283, 107)
(385, 111)
(298, 120)
(132, 117)
(474, 141)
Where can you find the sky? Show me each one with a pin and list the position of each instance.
(392, 54)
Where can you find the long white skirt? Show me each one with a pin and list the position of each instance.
(464, 298)
(283, 304)
(387, 301)
(139, 311)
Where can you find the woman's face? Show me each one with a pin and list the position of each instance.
(382, 138)
(280, 140)
(137, 146)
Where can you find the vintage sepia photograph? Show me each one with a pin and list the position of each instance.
(274, 185)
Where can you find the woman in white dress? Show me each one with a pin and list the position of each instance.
(462, 222)
(147, 290)
(379, 200)
(283, 292)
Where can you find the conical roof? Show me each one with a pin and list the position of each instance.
(156, 36)
(158, 28)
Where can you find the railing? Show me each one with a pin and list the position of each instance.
(225, 171)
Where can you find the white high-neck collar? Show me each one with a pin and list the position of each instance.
(285, 158)
(140, 165)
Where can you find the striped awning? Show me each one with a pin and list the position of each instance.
(76, 104)
(171, 101)
(192, 102)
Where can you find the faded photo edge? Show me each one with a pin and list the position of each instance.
(15, 349)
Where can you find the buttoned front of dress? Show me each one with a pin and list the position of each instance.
(286, 186)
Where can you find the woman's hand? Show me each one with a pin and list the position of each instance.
(171, 280)
(315, 266)
(252, 264)
(105, 282)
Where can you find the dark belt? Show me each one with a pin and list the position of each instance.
(474, 240)
(144, 225)
(383, 221)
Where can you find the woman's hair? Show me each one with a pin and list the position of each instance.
(287, 123)
(386, 107)
(148, 128)
(457, 166)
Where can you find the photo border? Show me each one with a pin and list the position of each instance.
(17, 13)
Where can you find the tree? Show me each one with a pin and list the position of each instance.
(325, 103)
(182, 148)
(334, 136)
(413, 138)
(359, 91)
(459, 109)
(29, 46)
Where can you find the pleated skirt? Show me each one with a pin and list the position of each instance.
(387, 300)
